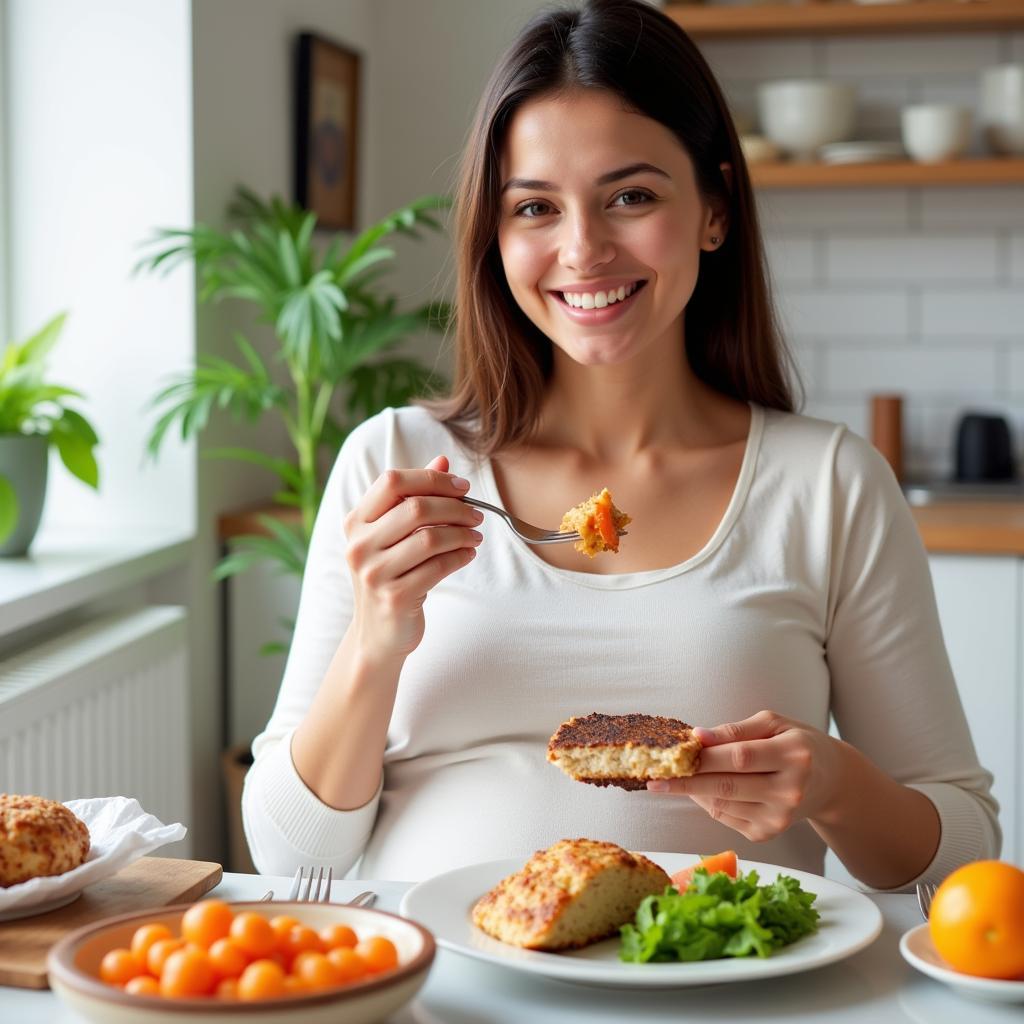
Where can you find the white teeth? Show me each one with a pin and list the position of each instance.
(598, 300)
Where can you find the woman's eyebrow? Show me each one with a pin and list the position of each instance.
(535, 184)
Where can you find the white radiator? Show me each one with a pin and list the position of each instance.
(101, 710)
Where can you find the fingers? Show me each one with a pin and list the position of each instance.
(757, 788)
(428, 574)
(422, 546)
(418, 512)
(394, 485)
(759, 726)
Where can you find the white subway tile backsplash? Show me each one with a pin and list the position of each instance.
(909, 56)
(1015, 270)
(856, 414)
(961, 371)
(825, 209)
(791, 258)
(1014, 46)
(970, 313)
(913, 259)
(769, 59)
(848, 314)
(995, 207)
(1015, 373)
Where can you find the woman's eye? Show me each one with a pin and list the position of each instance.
(633, 197)
(532, 209)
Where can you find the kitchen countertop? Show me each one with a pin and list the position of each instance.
(874, 985)
(972, 527)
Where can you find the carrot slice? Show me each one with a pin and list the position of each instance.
(606, 525)
(724, 861)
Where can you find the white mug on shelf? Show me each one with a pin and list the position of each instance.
(933, 132)
(1001, 108)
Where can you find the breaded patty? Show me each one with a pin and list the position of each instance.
(624, 750)
(569, 895)
(38, 837)
(597, 521)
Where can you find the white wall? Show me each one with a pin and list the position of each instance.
(103, 153)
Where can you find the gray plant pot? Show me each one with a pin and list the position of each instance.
(23, 461)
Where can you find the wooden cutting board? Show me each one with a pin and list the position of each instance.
(147, 882)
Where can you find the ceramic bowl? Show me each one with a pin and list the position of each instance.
(73, 966)
(933, 132)
(801, 115)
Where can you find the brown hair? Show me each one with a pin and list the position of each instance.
(502, 361)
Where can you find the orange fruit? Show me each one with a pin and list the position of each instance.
(348, 963)
(337, 936)
(977, 920)
(227, 960)
(159, 952)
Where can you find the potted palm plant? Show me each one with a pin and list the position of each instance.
(339, 362)
(34, 417)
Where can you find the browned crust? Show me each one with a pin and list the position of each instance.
(620, 783)
(597, 730)
(523, 907)
(38, 837)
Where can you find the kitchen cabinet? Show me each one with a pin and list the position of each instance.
(981, 600)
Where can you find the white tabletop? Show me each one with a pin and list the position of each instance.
(875, 985)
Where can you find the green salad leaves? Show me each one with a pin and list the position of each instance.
(718, 916)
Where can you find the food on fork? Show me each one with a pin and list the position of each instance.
(597, 521)
(38, 838)
(570, 895)
(624, 750)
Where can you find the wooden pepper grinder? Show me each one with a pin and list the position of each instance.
(887, 429)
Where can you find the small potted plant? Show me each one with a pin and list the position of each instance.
(34, 417)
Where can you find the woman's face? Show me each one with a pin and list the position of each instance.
(601, 225)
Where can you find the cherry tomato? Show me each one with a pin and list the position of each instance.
(206, 921)
(159, 952)
(187, 972)
(348, 963)
(145, 936)
(262, 979)
(143, 985)
(227, 960)
(252, 933)
(379, 953)
(119, 966)
(335, 936)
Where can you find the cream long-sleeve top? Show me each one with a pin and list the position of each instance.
(813, 597)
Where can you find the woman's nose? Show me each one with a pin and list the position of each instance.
(585, 246)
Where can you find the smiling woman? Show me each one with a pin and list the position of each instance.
(615, 334)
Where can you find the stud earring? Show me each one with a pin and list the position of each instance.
(715, 239)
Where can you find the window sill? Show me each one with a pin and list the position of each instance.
(69, 567)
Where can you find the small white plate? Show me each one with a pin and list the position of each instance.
(919, 951)
(849, 922)
(861, 152)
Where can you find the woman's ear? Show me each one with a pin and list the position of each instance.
(718, 215)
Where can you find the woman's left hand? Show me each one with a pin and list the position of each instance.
(762, 775)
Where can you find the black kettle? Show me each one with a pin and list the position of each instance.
(984, 448)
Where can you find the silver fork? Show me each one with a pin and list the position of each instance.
(308, 894)
(925, 892)
(527, 531)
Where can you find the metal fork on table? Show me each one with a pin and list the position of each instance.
(925, 892)
(527, 531)
(303, 891)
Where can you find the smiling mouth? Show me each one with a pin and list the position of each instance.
(600, 299)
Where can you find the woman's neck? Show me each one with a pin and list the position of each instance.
(614, 413)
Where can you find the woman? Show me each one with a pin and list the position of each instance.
(614, 328)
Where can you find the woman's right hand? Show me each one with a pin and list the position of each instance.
(407, 534)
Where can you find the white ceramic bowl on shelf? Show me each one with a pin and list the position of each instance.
(801, 115)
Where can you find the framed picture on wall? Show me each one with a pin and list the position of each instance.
(327, 130)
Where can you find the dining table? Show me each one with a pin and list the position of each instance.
(873, 986)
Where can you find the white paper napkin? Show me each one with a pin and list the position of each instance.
(120, 831)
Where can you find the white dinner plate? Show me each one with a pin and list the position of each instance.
(919, 951)
(849, 922)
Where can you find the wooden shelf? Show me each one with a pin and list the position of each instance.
(709, 22)
(893, 174)
(245, 521)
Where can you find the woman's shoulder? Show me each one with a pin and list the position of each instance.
(815, 444)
